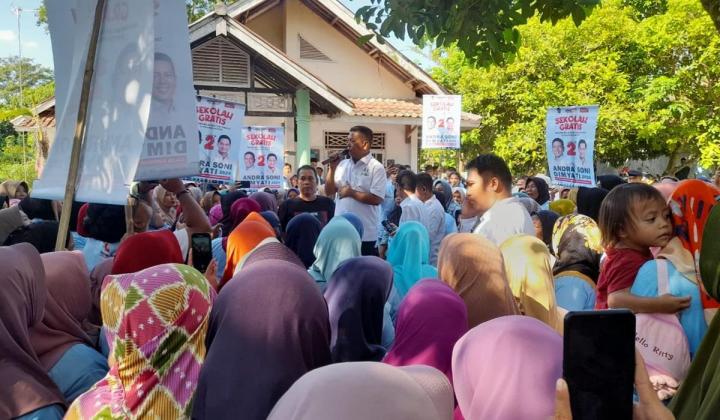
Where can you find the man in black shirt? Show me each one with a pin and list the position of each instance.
(308, 201)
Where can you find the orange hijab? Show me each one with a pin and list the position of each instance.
(243, 239)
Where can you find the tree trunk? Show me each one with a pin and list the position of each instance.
(713, 9)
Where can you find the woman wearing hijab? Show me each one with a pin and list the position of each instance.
(515, 377)
(450, 222)
(272, 219)
(215, 214)
(156, 322)
(27, 390)
(527, 264)
(226, 203)
(356, 222)
(105, 226)
(247, 236)
(473, 267)
(301, 236)
(40, 234)
(451, 207)
(588, 201)
(338, 241)
(697, 397)
(563, 207)
(537, 189)
(268, 327)
(356, 296)
(14, 191)
(165, 206)
(241, 208)
(690, 203)
(272, 251)
(64, 348)
(608, 182)
(431, 319)
(577, 243)
(210, 200)
(544, 222)
(145, 250)
(267, 201)
(367, 390)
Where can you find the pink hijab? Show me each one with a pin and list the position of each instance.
(431, 319)
(216, 214)
(506, 369)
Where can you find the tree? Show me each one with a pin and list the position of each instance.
(33, 76)
(657, 81)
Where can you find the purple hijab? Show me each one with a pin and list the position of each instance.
(267, 201)
(356, 296)
(268, 327)
(431, 319)
(272, 251)
(301, 234)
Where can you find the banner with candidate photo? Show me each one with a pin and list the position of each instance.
(441, 121)
(570, 138)
(220, 125)
(262, 157)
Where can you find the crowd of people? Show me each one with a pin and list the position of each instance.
(374, 293)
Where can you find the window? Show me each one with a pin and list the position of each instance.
(338, 140)
(221, 62)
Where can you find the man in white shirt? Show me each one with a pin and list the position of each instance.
(412, 208)
(488, 191)
(360, 185)
(435, 223)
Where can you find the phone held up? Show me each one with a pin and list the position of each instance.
(390, 228)
(599, 363)
(201, 245)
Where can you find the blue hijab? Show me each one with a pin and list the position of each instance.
(409, 255)
(338, 241)
(301, 235)
(355, 222)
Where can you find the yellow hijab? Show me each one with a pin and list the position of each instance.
(527, 264)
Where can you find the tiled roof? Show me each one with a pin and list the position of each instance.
(27, 123)
(395, 108)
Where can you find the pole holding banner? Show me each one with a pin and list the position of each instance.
(79, 136)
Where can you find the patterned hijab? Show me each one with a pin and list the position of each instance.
(431, 319)
(527, 264)
(269, 326)
(563, 207)
(356, 297)
(24, 381)
(409, 255)
(473, 267)
(68, 306)
(156, 322)
(577, 243)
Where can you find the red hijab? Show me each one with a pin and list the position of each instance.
(145, 250)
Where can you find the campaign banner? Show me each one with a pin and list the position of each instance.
(119, 103)
(570, 137)
(169, 150)
(220, 126)
(441, 121)
(262, 154)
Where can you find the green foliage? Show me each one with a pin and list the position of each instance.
(485, 31)
(33, 76)
(657, 81)
(16, 161)
(646, 8)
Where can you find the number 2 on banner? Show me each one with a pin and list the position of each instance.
(571, 149)
(209, 142)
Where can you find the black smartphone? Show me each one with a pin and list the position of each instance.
(389, 227)
(599, 363)
(201, 251)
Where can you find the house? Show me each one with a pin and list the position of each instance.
(298, 64)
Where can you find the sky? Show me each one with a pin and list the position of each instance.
(36, 42)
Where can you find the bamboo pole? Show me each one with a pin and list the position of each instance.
(79, 136)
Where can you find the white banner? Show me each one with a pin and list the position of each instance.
(220, 134)
(169, 150)
(570, 137)
(262, 154)
(441, 121)
(119, 99)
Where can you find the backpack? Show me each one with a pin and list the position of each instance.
(660, 338)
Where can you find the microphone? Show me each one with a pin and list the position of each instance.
(343, 154)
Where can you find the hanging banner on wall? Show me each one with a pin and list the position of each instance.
(168, 151)
(441, 121)
(570, 137)
(220, 127)
(262, 157)
(119, 103)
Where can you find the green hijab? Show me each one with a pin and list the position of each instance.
(409, 255)
(699, 395)
(338, 241)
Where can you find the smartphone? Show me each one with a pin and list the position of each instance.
(389, 227)
(599, 363)
(201, 250)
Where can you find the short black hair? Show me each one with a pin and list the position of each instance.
(490, 165)
(273, 155)
(224, 137)
(365, 131)
(407, 180)
(305, 168)
(105, 222)
(288, 165)
(250, 153)
(558, 139)
(616, 210)
(424, 180)
(582, 142)
(313, 160)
